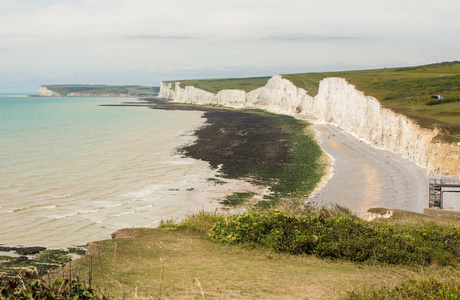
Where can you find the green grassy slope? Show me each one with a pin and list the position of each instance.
(85, 88)
(216, 85)
(405, 90)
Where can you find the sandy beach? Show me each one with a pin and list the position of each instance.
(363, 176)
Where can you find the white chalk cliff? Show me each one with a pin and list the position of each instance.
(45, 92)
(340, 103)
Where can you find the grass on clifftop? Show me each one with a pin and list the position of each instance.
(216, 85)
(406, 91)
(184, 264)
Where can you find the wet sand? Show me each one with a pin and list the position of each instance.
(208, 199)
(364, 176)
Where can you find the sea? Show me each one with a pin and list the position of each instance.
(72, 171)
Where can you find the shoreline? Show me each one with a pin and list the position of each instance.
(207, 198)
(22, 249)
(198, 199)
(114, 175)
(226, 142)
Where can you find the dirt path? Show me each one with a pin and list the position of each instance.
(365, 177)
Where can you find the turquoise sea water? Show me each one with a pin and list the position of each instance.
(72, 171)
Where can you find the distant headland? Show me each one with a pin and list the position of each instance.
(85, 90)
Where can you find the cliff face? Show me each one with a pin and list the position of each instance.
(45, 92)
(278, 95)
(341, 104)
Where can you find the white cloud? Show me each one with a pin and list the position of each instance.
(222, 35)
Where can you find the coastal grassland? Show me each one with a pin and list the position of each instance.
(341, 235)
(406, 91)
(216, 85)
(180, 261)
(85, 88)
(184, 264)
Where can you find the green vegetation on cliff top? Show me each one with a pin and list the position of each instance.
(134, 90)
(403, 90)
(216, 85)
(406, 91)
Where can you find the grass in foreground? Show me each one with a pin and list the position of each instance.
(184, 264)
(341, 236)
(427, 288)
(178, 261)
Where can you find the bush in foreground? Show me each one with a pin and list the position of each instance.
(340, 236)
(25, 286)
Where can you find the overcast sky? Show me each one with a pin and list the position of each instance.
(146, 41)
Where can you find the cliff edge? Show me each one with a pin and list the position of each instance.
(340, 103)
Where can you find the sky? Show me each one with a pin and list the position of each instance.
(125, 42)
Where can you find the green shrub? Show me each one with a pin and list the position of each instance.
(282, 232)
(26, 286)
(339, 236)
(442, 101)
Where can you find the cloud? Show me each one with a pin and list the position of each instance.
(313, 38)
(158, 37)
(223, 38)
